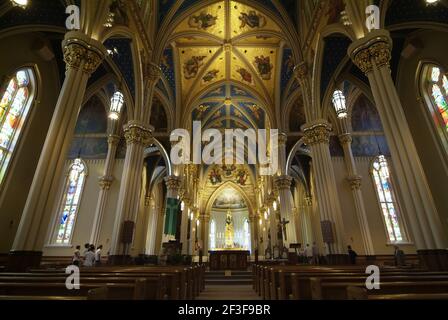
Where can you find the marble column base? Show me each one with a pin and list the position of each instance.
(434, 260)
(21, 261)
(120, 260)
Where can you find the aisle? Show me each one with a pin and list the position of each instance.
(237, 286)
(228, 292)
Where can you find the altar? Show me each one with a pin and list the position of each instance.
(229, 259)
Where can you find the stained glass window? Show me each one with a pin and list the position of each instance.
(381, 176)
(438, 90)
(213, 234)
(71, 201)
(16, 99)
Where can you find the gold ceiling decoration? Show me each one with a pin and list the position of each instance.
(227, 41)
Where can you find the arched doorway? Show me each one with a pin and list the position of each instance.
(229, 222)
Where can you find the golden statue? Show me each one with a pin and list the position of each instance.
(229, 230)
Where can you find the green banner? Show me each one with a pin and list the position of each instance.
(172, 209)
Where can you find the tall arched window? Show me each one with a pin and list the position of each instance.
(436, 86)
(213, 235)
(386, 197)
(69, 206)
(16, 98)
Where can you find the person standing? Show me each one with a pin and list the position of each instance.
(308, 254)
(98, 256)
(77, 256)
(352, 255)
(399, 257)
(89, 257)
(315, 250)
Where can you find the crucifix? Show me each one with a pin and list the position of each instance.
(283, 224)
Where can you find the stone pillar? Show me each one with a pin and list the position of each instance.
(138, 136)
(317, 137)
(184, 226)
(205, 230)
(82, 56)
(372, 54)
(105, 183)
(355, 183)
(283, 184)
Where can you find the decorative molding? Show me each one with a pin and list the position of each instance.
(136, 133)
(282, 139)
(173, 183)
(355, 182)
(371, 52)
(301, 71)
(113, 139)
(345, 138)
(151, 72)
(105, 182)
(77, 55)
(283, 182)
(317, 133)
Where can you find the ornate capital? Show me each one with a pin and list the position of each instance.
(283, 182)
(355, 182)
(105, 182)
(317, 133)
(113, 139)
(372, 51)
(309, 201)
(345, 138)
(136, 133)
(282, 139)
(77, 54)
(301, 71)
(173, 183)
(151, 72)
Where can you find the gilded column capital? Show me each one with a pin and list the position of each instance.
(317, 132)
(355, 182)
(136, 133)
(105, 182)
(282, 139)
(301, 71)
(78, 54)
(308, 201)
(345, 138)
(283, 182)
(113, 139)
(173, 183)
(151, 72)
(374, 50)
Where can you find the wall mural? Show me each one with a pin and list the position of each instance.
(264, 67)
(252, 20)
(365, 117)
(219, 174)
(92, 117)
(229, 198)
(203, 21)
(192, 65)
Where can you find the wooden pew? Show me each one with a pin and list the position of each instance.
(358, 293)
(338, 290)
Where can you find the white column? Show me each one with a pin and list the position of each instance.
(355, 183)
(317, 137)
(138, 136)
(105, 182)
(283, 184)
(82, 56)
(372, 55)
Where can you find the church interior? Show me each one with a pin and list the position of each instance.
(353, 95)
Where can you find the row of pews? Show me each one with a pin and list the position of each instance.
(298, 282)
(106, 283)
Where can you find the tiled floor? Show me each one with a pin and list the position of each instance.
(226, 292)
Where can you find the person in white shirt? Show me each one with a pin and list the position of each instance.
(77, 256)
(308, 254)
(98, 256)
(89, 257)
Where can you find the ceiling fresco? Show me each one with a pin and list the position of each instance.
(227, 42)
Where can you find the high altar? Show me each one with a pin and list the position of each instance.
(230, 257)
